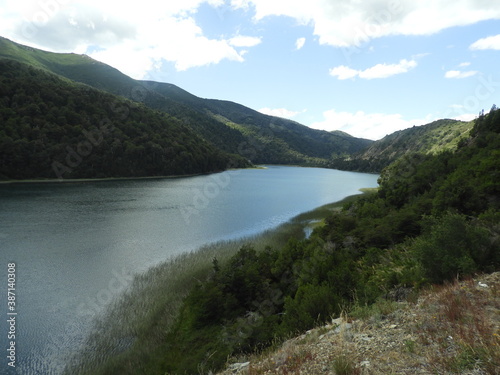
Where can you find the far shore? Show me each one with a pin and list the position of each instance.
(78, 180)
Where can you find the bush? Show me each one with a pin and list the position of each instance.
(452, 247)
(312, 304)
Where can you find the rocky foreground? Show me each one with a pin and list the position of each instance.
(450, 329)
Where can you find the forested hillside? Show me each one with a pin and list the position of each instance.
(228, 126)
(51, 127)
(435, 218)
(278, 140)
(432, 138)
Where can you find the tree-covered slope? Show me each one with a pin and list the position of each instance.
(432, 138)
(54, 128)
(229, 126)
(434, 219)
(262, 129)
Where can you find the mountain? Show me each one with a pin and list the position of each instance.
(229, 126)
(53, 127)
(432, 138)
(261, 129)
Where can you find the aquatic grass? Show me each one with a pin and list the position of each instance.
(129, 335)
(136, 324)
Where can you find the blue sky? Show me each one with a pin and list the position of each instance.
(365, 67)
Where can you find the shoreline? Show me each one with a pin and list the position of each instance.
(164, 286)
(85, 180)
(107, 179)
(104, 179)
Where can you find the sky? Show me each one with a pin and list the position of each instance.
(366, 67)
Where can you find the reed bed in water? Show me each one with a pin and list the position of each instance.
(136, 323)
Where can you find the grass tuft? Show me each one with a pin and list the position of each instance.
(344, 365)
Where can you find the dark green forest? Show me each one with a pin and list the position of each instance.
(435, 218)
(226, 125)
(54, 128)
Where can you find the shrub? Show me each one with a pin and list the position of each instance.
(451, 247)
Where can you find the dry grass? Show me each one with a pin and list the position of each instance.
(289, 360)
(449, 329)
(462, 328)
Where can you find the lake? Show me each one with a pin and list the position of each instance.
(77, 245)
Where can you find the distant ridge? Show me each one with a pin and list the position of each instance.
(432, 138)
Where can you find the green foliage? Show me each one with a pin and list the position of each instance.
(408, 234)
(434, 216)
(310, 305)
(344, 365)
(447, 246)
(228, 126)
(430, 139)
(51, 128)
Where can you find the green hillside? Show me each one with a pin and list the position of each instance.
(438, 136)
(434, 219)
(229, 126)
(272, 136)
(54, 128)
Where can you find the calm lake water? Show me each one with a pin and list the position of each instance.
(77, 245)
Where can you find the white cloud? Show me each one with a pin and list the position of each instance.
(377, 71)
(245, 41)
(300, 43)
(366, 125)
(491, 42)
(466, 117)
(344, 72)
(460, 74)
(464, 65)
(280, 112)
(134, 39)
(347, 23)
(459, 112)
(387, 70)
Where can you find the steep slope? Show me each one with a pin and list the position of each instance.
(229, 126)
(51, 127)
(432, 138)
(432, 334)
(263, 129)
